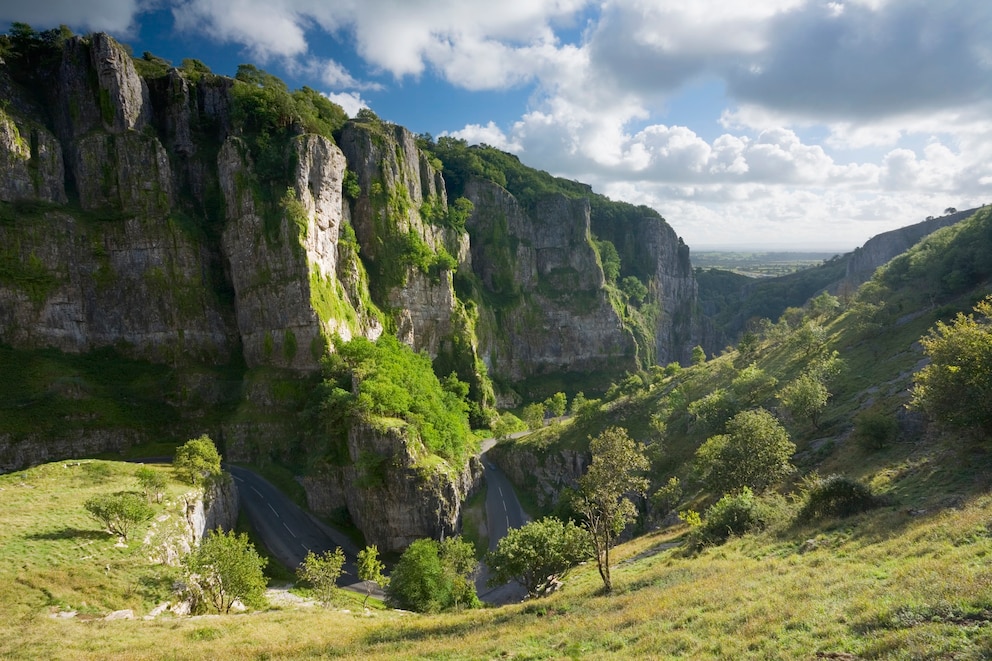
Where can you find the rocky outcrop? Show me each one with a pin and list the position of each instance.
(393, 492)
(881, 248)
(396, 180)
(544, 475)
(553, 314)
(194, 514)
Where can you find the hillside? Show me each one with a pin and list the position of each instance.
(906, 579)
(732, 301)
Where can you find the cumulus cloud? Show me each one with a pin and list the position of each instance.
(115, 16)
(263, 27)
(351, 102)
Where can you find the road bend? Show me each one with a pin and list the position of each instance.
(290, 532)
(503, 511)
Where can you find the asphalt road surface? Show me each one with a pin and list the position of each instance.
(288, 531)
(503, 511)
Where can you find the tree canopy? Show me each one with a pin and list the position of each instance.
(956, 387)
(538, 555)
(617, 461)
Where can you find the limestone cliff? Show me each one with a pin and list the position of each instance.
(171, 264)
(393, 491)
(879, 249)
(197, 512)
(551, 312)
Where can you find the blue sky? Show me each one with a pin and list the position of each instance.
(770, 123)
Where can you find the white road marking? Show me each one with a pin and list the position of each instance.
(273, 509)
(258, 492)
(305, 547)
(237, 478)
(287, 528)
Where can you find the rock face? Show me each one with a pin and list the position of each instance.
(143, 217)
(546, 476)
(553, 315)
(879, 249)
(196, 513)
(390, 493)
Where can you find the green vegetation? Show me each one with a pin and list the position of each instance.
(322, 572)
(753, 453)
(539, 555)
(434, 576)
(370, 570)
(223, 569)
(119, 512)
(956, 387)
(366, 381)
(602, 492)
(197, 461)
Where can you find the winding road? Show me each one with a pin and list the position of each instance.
(290, 532)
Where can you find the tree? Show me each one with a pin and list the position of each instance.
(197, 461)
(538, 555)
(225, 568)
(119, 512)
(806, 397)
(152, 483)
(322, 573)
(533, 415)
(698, 355)
(434, 576)
(370, 569)
(754, 453)
(556, 404)
(601, 497)
(956, 387)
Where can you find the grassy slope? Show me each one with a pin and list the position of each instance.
(909, 580)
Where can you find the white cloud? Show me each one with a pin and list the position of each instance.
(351, 102)
(489, 134)
(115, 16)
(265, 28)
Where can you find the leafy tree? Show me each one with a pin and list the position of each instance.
(370, 569)
(434, 576)
(225, 568)
(152, 482)
(698, 355)
(806, 397)
(556, 404)
(610, 259)
(602, 492)
(734, 514)
(533, 415)
(197, 461)
(507, 424)
(322, 573)
(634, 289)
(956, 387)
(667, 497)
(119, 512)
(538, 555)
(752, 386)
(754, 453)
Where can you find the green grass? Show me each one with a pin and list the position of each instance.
(884, 585)
(56, 557)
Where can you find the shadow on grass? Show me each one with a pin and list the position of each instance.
(68, 532)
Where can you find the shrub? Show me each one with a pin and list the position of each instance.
(119, 512)
(433, 576)
(734, 514)
(875, 431)
(197, 461)
(836, 495)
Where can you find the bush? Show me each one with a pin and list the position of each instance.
(197, 462)
(875, 431)
(734, 514)
(225, 568)
(434, 576)
(119, 512)
(836, 495)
